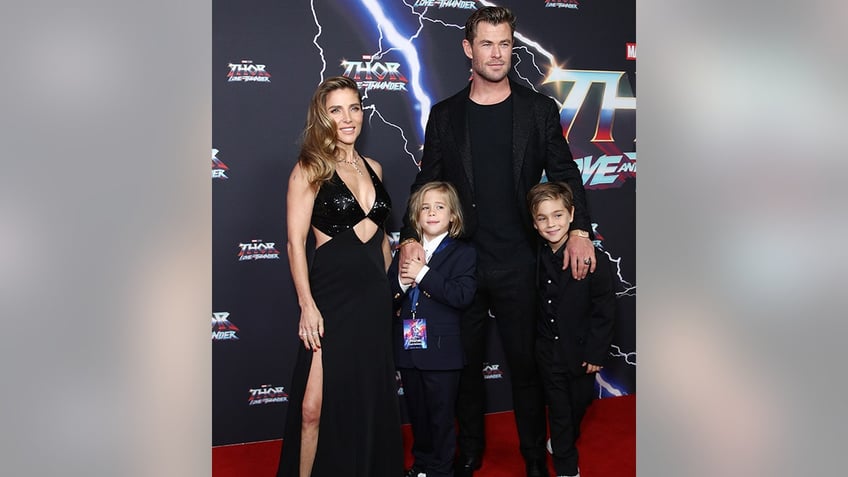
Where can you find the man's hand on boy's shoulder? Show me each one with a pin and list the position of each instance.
(411, 249)
(579, 254)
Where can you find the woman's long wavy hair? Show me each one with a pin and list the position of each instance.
(318, 154)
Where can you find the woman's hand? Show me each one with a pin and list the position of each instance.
(311, 327)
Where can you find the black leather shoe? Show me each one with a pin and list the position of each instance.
(464, 471)
(537, 468)
(413, 472)
(465, 466)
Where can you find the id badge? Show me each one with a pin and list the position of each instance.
(415, 333)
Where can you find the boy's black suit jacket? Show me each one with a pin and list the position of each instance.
(586, 314)
(446, 290)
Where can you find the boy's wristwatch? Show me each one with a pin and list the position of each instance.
(579, 233)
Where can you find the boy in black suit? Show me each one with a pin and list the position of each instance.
(575, 325)
(430, 297)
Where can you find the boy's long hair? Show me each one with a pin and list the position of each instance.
(417, 199)
(549, 191)
(318, 149)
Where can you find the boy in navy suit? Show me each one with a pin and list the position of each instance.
(430, 298)
(575, 325)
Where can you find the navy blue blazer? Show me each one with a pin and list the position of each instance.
(446, 291)
(586, 313)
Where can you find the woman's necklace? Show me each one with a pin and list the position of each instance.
(353, 162)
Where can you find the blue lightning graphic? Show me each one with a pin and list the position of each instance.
(605, 385)
(405, 46)
(409, 52)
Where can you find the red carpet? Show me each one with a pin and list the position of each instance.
(607, 446)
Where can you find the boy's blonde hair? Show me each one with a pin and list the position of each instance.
(417, 199)
(549, 191)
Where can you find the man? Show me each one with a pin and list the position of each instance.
(492, 141)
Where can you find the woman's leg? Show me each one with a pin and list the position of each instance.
(311, 415)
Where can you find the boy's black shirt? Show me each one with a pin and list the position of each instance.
(579, 315)
(550, 274)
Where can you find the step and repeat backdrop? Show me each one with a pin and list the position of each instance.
(405, 55)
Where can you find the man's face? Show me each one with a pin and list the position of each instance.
(491, 51)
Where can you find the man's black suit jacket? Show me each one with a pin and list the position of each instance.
(537, 144)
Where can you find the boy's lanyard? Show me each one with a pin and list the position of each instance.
(413, 294)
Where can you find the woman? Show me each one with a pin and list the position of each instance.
(343, 416)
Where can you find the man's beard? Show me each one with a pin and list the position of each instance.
(491, 76)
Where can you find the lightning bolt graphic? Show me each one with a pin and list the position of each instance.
(408, 51)
(405, 46)
(630, 287)
(421, 17)
(374, 111)
(629, 358)
(315, 40)
(630, 291)
(518, 61)
(605, 385)
(542, 51)
(533, 57)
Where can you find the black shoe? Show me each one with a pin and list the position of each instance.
(413, 472)
(465, 466)
(464, 471)
(537, 468)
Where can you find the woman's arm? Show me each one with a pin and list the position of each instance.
(299, 201)
(387, 252)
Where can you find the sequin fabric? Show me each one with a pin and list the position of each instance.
(336, 210)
